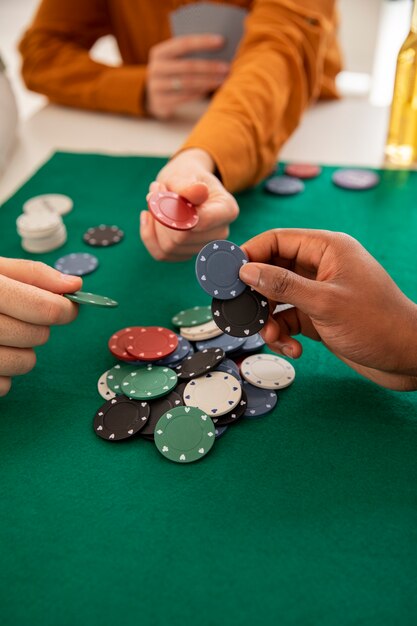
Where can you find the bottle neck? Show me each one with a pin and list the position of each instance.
(414, 18)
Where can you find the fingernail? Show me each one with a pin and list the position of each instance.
(250, 274)
(144, 218)
(287, 350)
(68, 277)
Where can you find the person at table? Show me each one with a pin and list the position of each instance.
(288, 57)
(341, 297)
(29, 304)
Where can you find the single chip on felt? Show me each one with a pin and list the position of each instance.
(302, 170)
(120, 418)
(217, 269)
(243, 316)
(284, 186)
(355, 179)
(172, 210)
(103, 236)
(77, 263)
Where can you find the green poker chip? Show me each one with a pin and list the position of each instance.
(149, 382)
(116, 375)
(193, 317)
(184, 434)
(85, 297)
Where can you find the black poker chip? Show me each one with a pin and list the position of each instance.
(179, 389)
(158, 407)
(199, 363)
(103, 236)
(120, 418)
(243, 316)
(234, 415)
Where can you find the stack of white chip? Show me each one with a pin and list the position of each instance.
(41, 226)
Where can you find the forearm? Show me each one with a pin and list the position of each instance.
(66, 74)
(278, 70)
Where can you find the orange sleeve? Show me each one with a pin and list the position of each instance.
(56, 60)
(287, 58)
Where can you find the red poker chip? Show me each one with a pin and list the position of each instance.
(302, 170)
(118, 342)
(151, 343)
(172, 210)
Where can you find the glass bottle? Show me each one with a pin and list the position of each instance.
(401, 146)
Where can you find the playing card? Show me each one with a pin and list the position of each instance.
(209, 17)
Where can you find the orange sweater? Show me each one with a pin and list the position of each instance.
(288, 57)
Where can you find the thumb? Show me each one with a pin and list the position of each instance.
(196, 193)
(281, 285)
(39, 275)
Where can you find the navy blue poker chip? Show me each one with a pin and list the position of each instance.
(217, 269)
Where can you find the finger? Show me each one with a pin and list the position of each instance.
(19, 334)
(16, 361)
(187, 67)
(39, 275)
(189, 86)
(196, 192)
(288, 347)
(148, 236)
(34, 305)
(5, 384)
(178, 46)
(282, 285)
(156, 187)
(278, 337)
(167, 245)
(171, 102)
(301, 246)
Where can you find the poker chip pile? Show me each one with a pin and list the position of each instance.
(183, 389)
(41, 226)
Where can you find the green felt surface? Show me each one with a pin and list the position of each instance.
(306, 516)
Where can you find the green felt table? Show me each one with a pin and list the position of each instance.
(306, 516)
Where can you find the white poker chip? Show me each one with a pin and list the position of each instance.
(103, 388)
(45, 244)
(215, 393)
(267, 371)
(209, 330)
(53, 202)
(38, 225)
